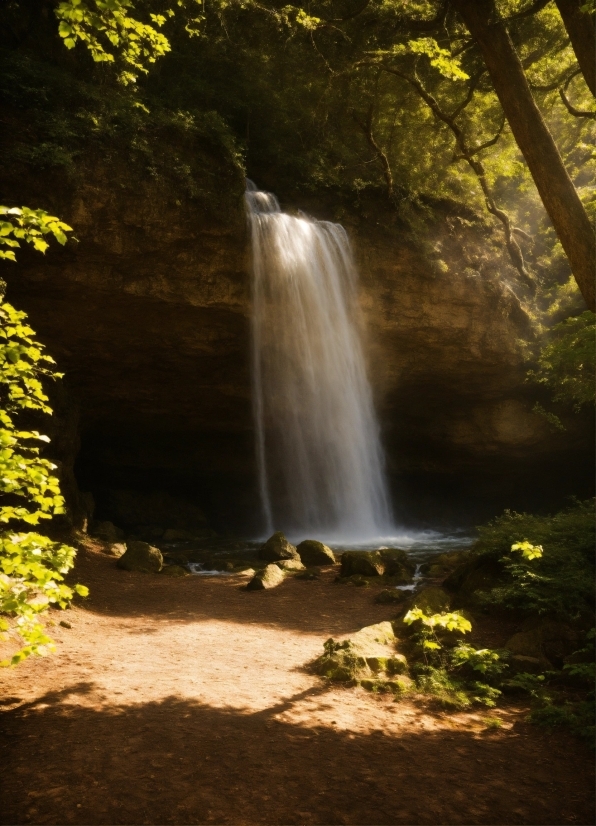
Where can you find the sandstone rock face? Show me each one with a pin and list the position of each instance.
(140, 556)
(315, 553)
(277, 548)
(148, 316)
(271, 577)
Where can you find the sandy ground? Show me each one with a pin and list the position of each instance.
(189, 701)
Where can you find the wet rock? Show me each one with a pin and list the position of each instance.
(312, 552)
(290, 565)
(277, 548)
(432, 600)
(174, 570)
(116, 549)
(140, 556)
(108, 531)
(270, 577)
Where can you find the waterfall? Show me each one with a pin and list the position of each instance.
(319, 457)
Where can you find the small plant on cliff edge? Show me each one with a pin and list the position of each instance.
(32, 566)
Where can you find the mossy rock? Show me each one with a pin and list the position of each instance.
(362, 563)
(432, 600)
(312, 552)
(401, 684)
(277, 548)
(270, 577)
(478, 574)
(174, 570)
(389, 596)
(393, 563)
(444, 564)
(140, 556)
(395, 664)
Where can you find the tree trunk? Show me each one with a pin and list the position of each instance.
(554, 185)
(580, 28)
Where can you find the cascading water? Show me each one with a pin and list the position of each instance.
(319, 456)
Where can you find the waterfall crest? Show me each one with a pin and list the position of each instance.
(319, 456)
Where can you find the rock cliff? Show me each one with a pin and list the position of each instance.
(148, 315)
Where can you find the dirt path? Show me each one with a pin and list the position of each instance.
(187, 701)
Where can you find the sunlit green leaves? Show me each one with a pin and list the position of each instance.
(31, 565)
(527, 550)
(114, 32)
(451, 621)
(30, 225)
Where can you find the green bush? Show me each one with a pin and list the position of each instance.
(560, 581)
(32, 566)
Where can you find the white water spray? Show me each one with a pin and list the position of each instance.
(320, 461)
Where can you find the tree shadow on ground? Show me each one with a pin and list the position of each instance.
(70, 759)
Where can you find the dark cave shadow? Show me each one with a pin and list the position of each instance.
(178, 760)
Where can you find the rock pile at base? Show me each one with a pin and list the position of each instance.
(270, 577)
(140, 556)
(312, 552)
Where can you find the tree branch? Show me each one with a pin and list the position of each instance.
(366, 127)
(467, 153)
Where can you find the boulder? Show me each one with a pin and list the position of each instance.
(270, 577)
(140, 556)
(277, 548)
(369, 651)
(174, 570)
(528, 644)
(389, 596)
(432, 600)
(312, 552)
(116, 549)
(546, 640)
(108, 531)
(365, 563)
(290, 565)
(385, 562)
(442, 565)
